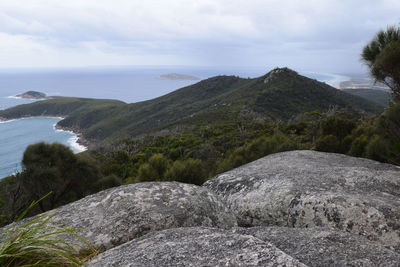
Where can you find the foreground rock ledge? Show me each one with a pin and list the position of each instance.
(195, 246)
(325, 247)
(117, 215)
(309, 188)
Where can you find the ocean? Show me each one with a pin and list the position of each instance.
(129, 84)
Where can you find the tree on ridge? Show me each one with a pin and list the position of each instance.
(382, 56)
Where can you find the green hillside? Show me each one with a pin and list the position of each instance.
(378, 96)
(279, 95)
(59, 106)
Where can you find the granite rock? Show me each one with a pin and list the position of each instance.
(309, 189)
(118, 215)
(195, 246)
(325, 247)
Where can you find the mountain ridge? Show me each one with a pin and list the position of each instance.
(281, 94)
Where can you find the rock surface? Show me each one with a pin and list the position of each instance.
(325, 247)
(299, 208)
(308, 188)
(195, 246)
(117, 215)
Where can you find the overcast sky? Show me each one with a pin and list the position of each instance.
(313, 35)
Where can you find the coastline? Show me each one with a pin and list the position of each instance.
(77, 142)
(4, 120)
(338, 79)
(27, 98)
(331, 79)
(79, 139)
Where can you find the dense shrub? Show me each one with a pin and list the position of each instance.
(327, 143)
(51, 168)
(256, 149)
(154, 169)
(358, 146)
(187, 171)
(337, 126)
(54, 168)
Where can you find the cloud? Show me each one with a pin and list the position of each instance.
(308, 34)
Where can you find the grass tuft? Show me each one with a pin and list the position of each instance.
(42, 242)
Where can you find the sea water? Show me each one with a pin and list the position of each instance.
(16, 135)
(129, 84)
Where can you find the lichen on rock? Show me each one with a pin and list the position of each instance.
(195, 246)
(118, 215)
(324, 246)
(308, 189)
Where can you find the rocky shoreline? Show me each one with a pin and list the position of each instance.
(82, 141)
(78, 132)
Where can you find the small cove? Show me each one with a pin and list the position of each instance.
(16, 135)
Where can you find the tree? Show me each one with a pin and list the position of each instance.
(382, 56)
(189, 171)
(386, 145)
(154, 169)
(327, 143)
(54, 168)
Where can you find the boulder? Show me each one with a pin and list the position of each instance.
(308, 189)
(117, 215)
(195, 246)
(325, 247)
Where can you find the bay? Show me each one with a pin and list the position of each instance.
(16, 135)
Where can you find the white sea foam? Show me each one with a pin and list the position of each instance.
(24, 98)
(74, 145)
(14, 97)
(7, 121)
(73, 140)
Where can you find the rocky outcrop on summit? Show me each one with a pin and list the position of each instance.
(274, 73)
(195, 247)
(325, 247)
(118, 215)
(308, 188)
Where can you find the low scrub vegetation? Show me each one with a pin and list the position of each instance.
(192, 155)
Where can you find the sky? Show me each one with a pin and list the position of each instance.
(311, 35)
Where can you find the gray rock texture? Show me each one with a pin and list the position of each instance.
(117, 215)
(195, 246)
(325, 247)
(308, 188)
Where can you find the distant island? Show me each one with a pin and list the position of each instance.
(177, 76)
(32, 95)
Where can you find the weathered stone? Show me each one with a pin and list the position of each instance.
(195, 246)
(117, 215)
(325, 247)
(309, 188)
